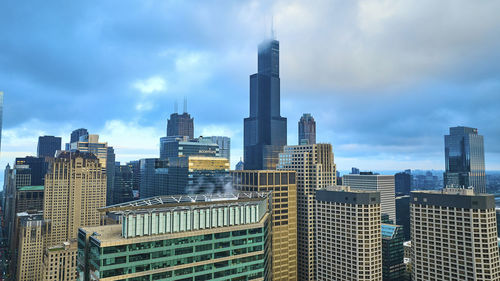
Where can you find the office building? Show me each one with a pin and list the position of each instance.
(180, 125)
(180, 147)
(240, 166)
(464, 159)
(32, 229)
(403, 214)
(198, 237)
(76, 134)
(105, 154)
(383, 184)
(354, 171)
(123, 184)
(29, 198)
(75, 188)
(48, 145)
(307, 129)
(224, 144)
(454, 236)
(393, 266)
(348, 234)
(265, 129)
(402, 182)
(198, 175)
(153, 177)
(315, 170)
(59, 262)
(283, 186)
(37, 167)
(135, 166)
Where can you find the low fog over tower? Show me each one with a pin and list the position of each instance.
(265, 129)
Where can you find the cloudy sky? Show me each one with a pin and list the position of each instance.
(383, 79)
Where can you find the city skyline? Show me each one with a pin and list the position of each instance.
(391, 116)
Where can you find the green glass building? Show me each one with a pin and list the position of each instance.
(189, 238)
(393, 267)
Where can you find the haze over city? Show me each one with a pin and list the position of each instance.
(383, 97)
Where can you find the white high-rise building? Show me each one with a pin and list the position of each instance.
(383, 184)
(349, 235)
(454, 236)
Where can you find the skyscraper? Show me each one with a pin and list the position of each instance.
(315, 169)
(224, 144)
(76, 134)
(393, 267)
(283, 186)
(348, 235)
(402, 183)
(180, 124)
(383, 184)
(454, 236)
(265, 129)
(123, 184)
(48, 145)
(464, 159)
(75, 188)
(307, 129)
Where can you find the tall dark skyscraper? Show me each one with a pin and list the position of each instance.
(307, 129)
(1, 117)
(402, 182)
(48, 145)
(76, 134)
(265, 129)
(180, 124)
(464, 159)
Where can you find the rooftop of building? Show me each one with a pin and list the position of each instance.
(31, 188)
(76, 154)
(161, 203)
(455, 198)
(452, 191)
(389, 230)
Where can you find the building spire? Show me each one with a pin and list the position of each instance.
(273, 32)
(185, 105)
(176, 109)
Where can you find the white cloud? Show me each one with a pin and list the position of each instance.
(150, 85)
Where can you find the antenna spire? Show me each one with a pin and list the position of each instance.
(273, 33)
(176, 109)
(185, 104)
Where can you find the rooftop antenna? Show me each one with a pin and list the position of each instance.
(176, 109)
(185, 104)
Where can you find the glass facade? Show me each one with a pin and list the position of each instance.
(265, 129)
(393, 267)
(236, 255)
(464, 159)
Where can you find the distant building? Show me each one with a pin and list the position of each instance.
(1, 117)
(105, 154)
(384, 184)
(29, 198)
(459, 241)
(315, 167)
(123, 184)
(180, 125)
(37, 168)
(393, 266)
(224, 144)
(76, 134)
(48, 145)
(240, 166)
(403, 183)
(199, 237)
(198, 175)
(464, 159)
(195, 147)
(153, 177)
(265, 129)
(403, 214)
(307, 129)
(283, 186)
(135, 166)
(354, 171)
(342, 252)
